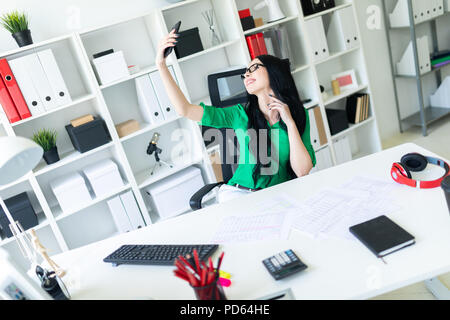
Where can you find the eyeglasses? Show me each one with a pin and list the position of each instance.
(252, 69)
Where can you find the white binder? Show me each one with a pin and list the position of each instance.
(119, 215)
(148, 102)
(323, 159)
(442, 96)
(406, 65)
(400, 16)
(343, 150)
(314, 133)
(54, 77)
(26, 86)
(132, 210)
(316, 32)
(40, 81)
(447, 5)
(164, 102)
(342, 33)
(439, 6)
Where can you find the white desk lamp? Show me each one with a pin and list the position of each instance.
(18, 156)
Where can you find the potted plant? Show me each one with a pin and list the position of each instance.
(17, 23)
(47, 140)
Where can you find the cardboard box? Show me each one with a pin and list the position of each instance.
(81, 120)
(127, 127)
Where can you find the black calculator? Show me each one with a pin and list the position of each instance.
(284, 264)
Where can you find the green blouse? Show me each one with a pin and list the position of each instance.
(236, 118)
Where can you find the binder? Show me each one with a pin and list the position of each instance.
(447, 5)
(283, 42)
(317, 37)
(252, 44)
(48, 62)
(7, 104)
(406, 65)
(165, 104)
(132, 210)
(442, 96)
(272, 43)
(9, 80)
(40, 81)
(148, 102)
(26, 86)
(342, 32)
(261, 44)
(400, 16)
(314, 133)
(119, 215)
(323, 159)
(320, 126)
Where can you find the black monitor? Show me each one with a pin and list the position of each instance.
(227, 88)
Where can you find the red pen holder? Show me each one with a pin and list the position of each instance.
(212, 291)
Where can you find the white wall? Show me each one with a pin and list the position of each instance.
(50, 18)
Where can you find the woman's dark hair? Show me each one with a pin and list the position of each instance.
(283, 85)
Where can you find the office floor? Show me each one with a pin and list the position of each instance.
(437, 142)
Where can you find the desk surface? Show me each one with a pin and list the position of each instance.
(337, 268)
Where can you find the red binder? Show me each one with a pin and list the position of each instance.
(261, 43)
(8, 104)
(14, 90)
(252, 44)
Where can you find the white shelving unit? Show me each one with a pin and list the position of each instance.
(116, 102)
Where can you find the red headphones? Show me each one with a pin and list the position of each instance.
(415, 162)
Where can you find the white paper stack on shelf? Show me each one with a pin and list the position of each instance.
(422, 11)
(342, 33)
(442, 96)
(406, 65)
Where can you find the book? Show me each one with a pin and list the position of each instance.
(359, 107)
(382, 236)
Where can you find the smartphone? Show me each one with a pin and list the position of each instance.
(168, 50)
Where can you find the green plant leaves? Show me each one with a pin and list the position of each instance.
(14, 21)
(46, 139)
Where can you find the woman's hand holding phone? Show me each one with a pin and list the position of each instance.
(167, 42)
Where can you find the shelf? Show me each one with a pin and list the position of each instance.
(321, 147)
(300, 69)
(23, 179)
(342, 6)
(343, 95)
(72, 104)
(67, 158)
(337, 55)
(130, 77)
(422, 75)
(431, 114)
(179, 4)
(148, 127)
(353, 127)
(42, 223)
(59, 214)
(417, 24)
(206, 51)
(144, 178)
(310, 105)
(34, 46)
(269, 25)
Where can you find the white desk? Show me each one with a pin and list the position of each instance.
(337, 268)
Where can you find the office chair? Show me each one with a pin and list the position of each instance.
(228, 169)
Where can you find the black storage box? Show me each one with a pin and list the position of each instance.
(247, 23)
(337, 120)
(21, 210)
(89, 136)
(189, 42)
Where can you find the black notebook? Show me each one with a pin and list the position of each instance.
(382, 236)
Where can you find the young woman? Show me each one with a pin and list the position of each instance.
(274, 111)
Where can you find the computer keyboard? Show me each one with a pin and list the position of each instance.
(157, 254)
